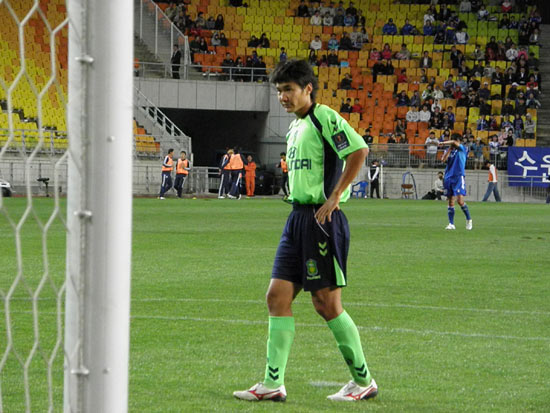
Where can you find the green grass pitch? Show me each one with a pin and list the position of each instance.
(450, 321)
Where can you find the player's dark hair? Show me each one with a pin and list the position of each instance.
(183, 152)
(170, 150)
(298, 71)
(283, 153)
(456, 137)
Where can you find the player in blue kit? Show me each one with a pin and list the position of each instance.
(454, 182)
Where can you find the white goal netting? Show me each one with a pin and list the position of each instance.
(49, 223)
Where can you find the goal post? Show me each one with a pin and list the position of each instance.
(99, 205)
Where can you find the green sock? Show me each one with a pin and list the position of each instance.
(346, 335)
(281, 335)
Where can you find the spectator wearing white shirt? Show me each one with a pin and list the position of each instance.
(316, 19)
(465, 6)
(328, 20)
(424, 115)
(462, 37)
(512, 53)
(316, 44)
(413, 114)
(438, 93)
(431, 148)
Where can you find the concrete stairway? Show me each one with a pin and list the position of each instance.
(543, 114)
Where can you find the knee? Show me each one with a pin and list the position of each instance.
(277, 304)
(326, 309)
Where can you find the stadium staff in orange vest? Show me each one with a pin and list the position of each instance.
(250, 176)
(492, 187)
(236, 165)
(167, 166)
(284, 168)
(182, 170)
(225, 175)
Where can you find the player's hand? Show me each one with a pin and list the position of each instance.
(325, 212)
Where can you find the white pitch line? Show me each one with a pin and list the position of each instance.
(355, 304)
(317, 325)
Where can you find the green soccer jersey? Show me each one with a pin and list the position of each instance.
(317, 146)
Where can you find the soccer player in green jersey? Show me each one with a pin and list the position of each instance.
(324, 154)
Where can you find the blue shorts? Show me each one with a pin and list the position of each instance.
(311, 254)
(455, 186)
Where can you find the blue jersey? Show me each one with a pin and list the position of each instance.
(456, 163)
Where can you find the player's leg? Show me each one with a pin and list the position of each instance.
(465, 210)
(488, 192)
(496, 193)
(177, 185)
(283, 288)
(451, 211)
(163, 186)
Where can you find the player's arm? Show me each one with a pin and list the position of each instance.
(354, 162)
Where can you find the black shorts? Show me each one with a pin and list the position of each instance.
(311, 254)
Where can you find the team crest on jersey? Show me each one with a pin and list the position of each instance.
(340, 141)
(312, 271)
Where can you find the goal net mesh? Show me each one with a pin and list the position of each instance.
(33, 160)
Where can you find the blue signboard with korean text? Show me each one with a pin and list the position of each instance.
(528, 166)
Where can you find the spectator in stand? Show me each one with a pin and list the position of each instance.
(316, 19)
(415, 99)
(215, 41)
(328, 20)
(449, 84)
(282, 55)
(238, 72)
(436, 119)
(323, 62)
(263, 41)
(507, 108)
(404, 53)
(175, 60)
(402, 77)
(532, 62)
(194, 45)
(532, 102)
(332, 59)
(457, 93)
(506, 6)
(424, 115)
(518, 126)
(360, 20)
(349, 20)
(512, 53)
(316, 43)
(532, 85)
(522, 54)
(399, 127)
(529, 127)
(346, 106)
(431, 148)
(484, 92)
(494, 148)
(493, 124)
(477, 54)
(228, 64)
(303, 10)
(413, 115)
(427, 94)
(507, 122)
(482, 13)
(389, 69)
(219, 24)
(504, 22)
(341, 7)
(210, 23)
(223, 40)
(429, 16)
(345, 42)
(333, 42)
(428, 29)
(514, 24)
(345, 83)
(408, 29)
(389, 28)
(465, 6)
(351, 9)
(435, 104)
(423, 77)
(462, 37)
(312, 59)
(339, 18)
(356, 108)
(200, 22)
(375, 54)
(359, 38)
(484, 107)
(482, 123)
(260, 74)
(386, 52)
(426, 61)
(522, 77)
(253, 42)
(403, 99)
(534, 37)
(438, 93)
(450, 113)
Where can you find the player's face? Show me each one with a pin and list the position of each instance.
(293, 98)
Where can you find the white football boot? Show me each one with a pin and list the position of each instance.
(259, 392)
(469, 225)
(352, 392)
(450, 226)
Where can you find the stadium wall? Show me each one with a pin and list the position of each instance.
(146, 180)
